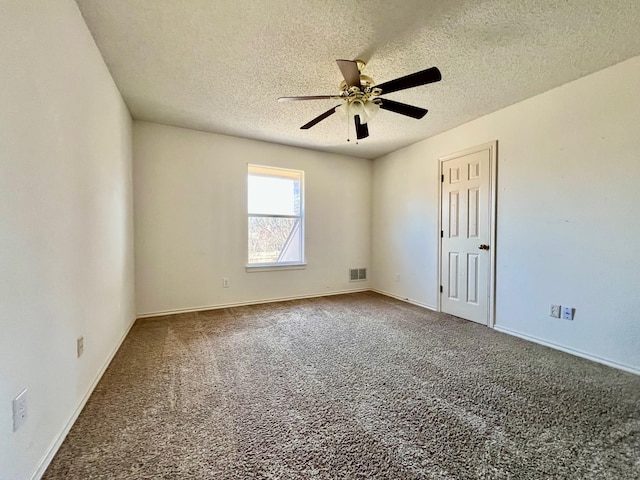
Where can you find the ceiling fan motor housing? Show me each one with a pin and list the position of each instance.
(364, 94)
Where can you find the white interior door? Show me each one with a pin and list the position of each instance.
(466, 256)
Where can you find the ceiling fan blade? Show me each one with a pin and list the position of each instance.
(362, 131)
(319, 118)
(423, 77)
(403, 108)
(350, 72)
(309, 97)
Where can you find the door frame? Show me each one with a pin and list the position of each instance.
(493, 206)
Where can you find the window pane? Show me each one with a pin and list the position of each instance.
(274, 240)
(273, 195)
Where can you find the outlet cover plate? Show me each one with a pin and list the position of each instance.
(20, 410)
(567, 313)
(554, 311)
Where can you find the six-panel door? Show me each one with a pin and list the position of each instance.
(465, 250)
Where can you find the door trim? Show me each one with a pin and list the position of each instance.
(493, 178)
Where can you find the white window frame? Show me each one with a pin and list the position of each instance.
(253, 169)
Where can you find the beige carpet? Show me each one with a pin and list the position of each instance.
(349, 387)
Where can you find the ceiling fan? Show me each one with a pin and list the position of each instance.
(361, 97)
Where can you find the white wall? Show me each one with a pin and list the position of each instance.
(66, 235)
(191, 220)
(568, 223)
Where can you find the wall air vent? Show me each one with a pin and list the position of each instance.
(357, 274)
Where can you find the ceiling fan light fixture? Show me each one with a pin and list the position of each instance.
(371, 109)
(357, 107)
(365, 109)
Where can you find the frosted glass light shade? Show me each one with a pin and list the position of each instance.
(366, 111)
(371, 109)
(357, 107)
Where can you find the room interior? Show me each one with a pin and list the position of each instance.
(128, 127)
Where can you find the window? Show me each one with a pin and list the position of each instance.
(276, 216)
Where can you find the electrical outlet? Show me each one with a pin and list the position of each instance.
(226, 282)
(20, 410)
(555, 311)
(80, 346)
(397, 277)
(567, 313)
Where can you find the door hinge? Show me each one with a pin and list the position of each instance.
(442, 178)
(441, 289)
(441, 233)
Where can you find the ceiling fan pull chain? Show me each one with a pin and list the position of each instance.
(348, 122)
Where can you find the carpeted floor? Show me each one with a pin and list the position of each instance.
(346, 387)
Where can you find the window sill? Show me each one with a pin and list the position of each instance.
(270, 267)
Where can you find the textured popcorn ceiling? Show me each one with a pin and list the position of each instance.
(220, 65)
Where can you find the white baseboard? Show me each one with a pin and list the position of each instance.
(531, 338)
(55, 445)
(404, 299)
(46, 459)
(252, 302)
(572, 351)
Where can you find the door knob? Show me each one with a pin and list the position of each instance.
(484, 247)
